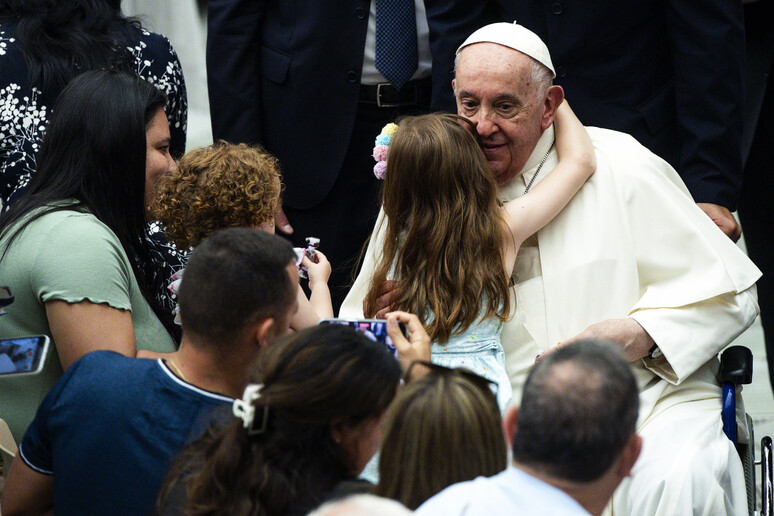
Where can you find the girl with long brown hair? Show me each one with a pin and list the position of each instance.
(450, 245)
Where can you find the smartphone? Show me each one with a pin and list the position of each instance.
(374, 329)
(25, 355)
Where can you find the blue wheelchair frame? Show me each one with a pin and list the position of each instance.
(735, 370)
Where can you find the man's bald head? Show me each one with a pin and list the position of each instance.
(578, 411)
(362, 505)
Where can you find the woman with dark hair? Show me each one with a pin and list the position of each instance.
(73, 250)
(310, 421)
(443, 428)
(43, 45)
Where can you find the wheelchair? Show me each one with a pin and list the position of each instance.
(735, 370)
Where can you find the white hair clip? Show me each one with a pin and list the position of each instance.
(245, 410)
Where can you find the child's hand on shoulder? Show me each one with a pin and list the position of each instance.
(319, 270)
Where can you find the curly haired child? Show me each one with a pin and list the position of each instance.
(226, 185)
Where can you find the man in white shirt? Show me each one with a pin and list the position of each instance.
(631, 259)
(573, 440)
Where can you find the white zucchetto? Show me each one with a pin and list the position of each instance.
(515, 36)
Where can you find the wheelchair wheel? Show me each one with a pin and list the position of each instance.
(747, 455)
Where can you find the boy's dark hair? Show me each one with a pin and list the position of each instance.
(233, 278)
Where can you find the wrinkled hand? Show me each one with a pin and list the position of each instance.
(627, 333)
(723, 218)
(387, 293)
(281, 221)
(319, 270)
(416, 347)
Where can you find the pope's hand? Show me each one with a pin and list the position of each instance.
(723, 218)
(387, 292)
(634, 341)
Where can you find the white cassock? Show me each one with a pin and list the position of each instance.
(632, 243)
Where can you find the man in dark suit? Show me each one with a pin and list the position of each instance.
(668, 73)
(302, 79)
(758, 189)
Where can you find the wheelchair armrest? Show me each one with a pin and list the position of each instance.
(736, 365)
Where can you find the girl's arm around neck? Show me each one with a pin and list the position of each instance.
(527, 214)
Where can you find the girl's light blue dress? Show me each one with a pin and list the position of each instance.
(480, 350)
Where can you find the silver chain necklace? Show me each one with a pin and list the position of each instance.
(542, 162)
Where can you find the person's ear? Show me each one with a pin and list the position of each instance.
(510, 424)
(629, 456)
(264, 331)
(339, 431)
(345, 436)
(553, 99)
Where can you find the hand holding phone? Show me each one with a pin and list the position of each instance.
(318, 268)
(415, 347)
(374, 329)
(401, 333)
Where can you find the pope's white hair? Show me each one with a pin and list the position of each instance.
(362, 505)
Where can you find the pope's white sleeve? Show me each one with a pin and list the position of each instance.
(689, 336)
(352, 307)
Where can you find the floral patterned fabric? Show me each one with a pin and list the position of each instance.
(25, 110)
(167, 261)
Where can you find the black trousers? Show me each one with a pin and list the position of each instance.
(343, 221)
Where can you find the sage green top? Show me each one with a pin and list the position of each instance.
(68, 256)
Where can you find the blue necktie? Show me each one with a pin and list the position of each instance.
(396, 40)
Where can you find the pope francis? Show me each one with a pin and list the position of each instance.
(631, 259)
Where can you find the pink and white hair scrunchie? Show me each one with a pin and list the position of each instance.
(381, 146)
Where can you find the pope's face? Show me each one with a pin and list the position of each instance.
(494, 89)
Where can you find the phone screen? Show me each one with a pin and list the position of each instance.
(22, 355)
(374, 329)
